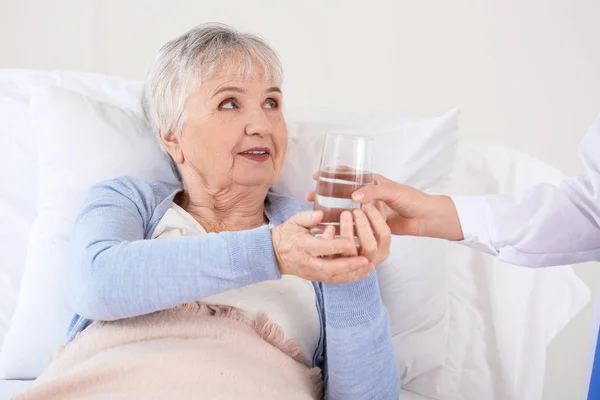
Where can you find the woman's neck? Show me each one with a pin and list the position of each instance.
(231, 209)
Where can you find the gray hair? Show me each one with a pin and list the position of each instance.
(182, 64)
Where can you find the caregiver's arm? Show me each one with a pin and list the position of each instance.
(545, 225)
(114, 273)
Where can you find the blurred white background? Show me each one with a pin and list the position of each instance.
(526, 73)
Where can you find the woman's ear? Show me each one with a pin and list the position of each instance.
(171, 144)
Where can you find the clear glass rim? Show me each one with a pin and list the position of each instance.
(350, 136)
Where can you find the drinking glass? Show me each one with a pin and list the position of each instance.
(346, 165)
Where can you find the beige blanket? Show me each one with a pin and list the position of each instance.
(195, 351)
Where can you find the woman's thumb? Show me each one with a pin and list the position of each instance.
(307, 219)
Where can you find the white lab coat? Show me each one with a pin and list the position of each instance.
(542, 226)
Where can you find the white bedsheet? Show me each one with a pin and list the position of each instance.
(12, 388)
(406, 395)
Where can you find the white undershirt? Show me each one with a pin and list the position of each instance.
(289, 302)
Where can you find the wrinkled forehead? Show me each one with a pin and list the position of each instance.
(241, 66)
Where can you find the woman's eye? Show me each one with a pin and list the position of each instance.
(228, 104)
(270, 103)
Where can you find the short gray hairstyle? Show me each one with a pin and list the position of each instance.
(182, 64)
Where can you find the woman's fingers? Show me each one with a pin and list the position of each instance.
(379, 224)
(339, 270)
(305, 219)
(346, 226)
(368, 242)
(324, 246)
(347, 231)
(314, 258)
(329, 232)
(342, 269)
(381, 230)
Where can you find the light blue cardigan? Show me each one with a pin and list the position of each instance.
(114, 273)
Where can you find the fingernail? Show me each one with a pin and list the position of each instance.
(358, 196)
(346, 215)
(368, 207)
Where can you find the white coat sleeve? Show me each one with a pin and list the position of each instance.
(544, 225)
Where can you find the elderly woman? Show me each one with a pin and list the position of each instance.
(216, 288)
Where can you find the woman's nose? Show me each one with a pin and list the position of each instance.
(258, 123)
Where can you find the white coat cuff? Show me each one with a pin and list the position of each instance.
(474, 221)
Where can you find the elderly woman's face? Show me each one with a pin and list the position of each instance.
(234, 132)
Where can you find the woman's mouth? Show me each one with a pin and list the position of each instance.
(259, 154)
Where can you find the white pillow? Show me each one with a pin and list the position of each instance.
(420, 153)
(77, 142)
(18, 163)
(80, 142)
(18, 193)
(417, 152)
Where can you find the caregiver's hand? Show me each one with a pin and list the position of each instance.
(300, 253)
(409, 211)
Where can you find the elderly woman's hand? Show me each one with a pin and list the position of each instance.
(300, 253)
(372, 230)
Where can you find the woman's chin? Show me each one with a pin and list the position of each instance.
(262, 174)
(257, 181)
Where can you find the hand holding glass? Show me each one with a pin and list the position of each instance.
(346, 165)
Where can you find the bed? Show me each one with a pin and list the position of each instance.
(10, 388)
(472, 341)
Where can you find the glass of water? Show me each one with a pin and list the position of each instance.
(346, 165)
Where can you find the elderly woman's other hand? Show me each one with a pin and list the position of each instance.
(300, 253)
(372, 230)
